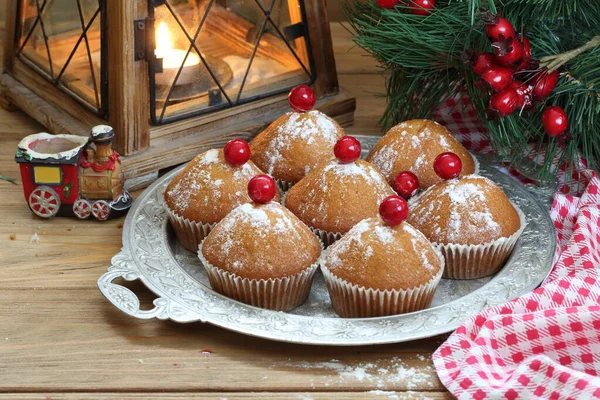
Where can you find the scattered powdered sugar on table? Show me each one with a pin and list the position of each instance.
(34, 239)
(400, 395)
(306, 127)
(385, 373)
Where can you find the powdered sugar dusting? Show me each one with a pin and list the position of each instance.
(312, 128)
(200, 176)
(347, 174)
(468, 211)
(413, 146)
(352, 237)
(384, 159)
(263, 220)
(385, 234)
(417, 242)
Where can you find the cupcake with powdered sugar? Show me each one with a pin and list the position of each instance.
(297, 142)
(413, 146)
(471, 221)
(208, 188)
(260, 253)
(336, 196)
(382, 266)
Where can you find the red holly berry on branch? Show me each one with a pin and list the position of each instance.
(406, 184)
(505, 102)
(544, 84)
(526, 52)
(482, 62)
(524, 93)
(508, 52)
(393, 210)
(497, 26)
(236, 152)
(422, 7)
(497, 77)
(447, 165)
(262, 189)
(387, 3)
(555, 120)
(347, 149)
(302, 98)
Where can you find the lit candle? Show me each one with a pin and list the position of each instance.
(172, 59)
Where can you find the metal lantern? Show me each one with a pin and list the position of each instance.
(168, 75)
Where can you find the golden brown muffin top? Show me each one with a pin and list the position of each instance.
(335, 196)
(377, 256)
(208, 188)
(261, 242)
(413, 146)
(295, 144)
(469, 210)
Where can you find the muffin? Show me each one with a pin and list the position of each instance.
(413, 146)
(295, 144)
(377, 269)
(262, 255)
(336, 196)
(471, 221)
(203, 193)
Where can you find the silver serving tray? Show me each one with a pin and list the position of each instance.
(152, 254)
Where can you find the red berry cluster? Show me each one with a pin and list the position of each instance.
(511, 72)
(417, 7)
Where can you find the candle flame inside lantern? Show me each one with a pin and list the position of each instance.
(172, 58)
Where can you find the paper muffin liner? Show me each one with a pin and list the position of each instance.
(189, 233)
(355, 301)
(479, 260)
(278, 294)
(326, 237)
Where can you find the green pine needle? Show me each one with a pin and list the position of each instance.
(11, 180)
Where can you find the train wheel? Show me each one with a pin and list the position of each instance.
(100, 210)
(44, 202)
(82, 208)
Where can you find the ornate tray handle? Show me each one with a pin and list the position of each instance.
(128, 302)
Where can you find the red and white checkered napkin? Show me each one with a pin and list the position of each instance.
(545, 344)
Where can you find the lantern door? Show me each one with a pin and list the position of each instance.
(62, 40)
(214, 54)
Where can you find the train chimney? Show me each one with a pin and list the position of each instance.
(102, 137)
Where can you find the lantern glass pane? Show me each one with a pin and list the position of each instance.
(235, 51)
(62, 40)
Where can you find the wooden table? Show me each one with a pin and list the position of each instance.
(59, 338)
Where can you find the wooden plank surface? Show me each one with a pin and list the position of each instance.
(60, 339)
(373, 395)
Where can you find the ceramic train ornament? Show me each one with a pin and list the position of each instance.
(73, 175)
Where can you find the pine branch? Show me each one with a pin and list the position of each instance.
(424, 61)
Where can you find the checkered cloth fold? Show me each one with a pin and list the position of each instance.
(545, 344)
